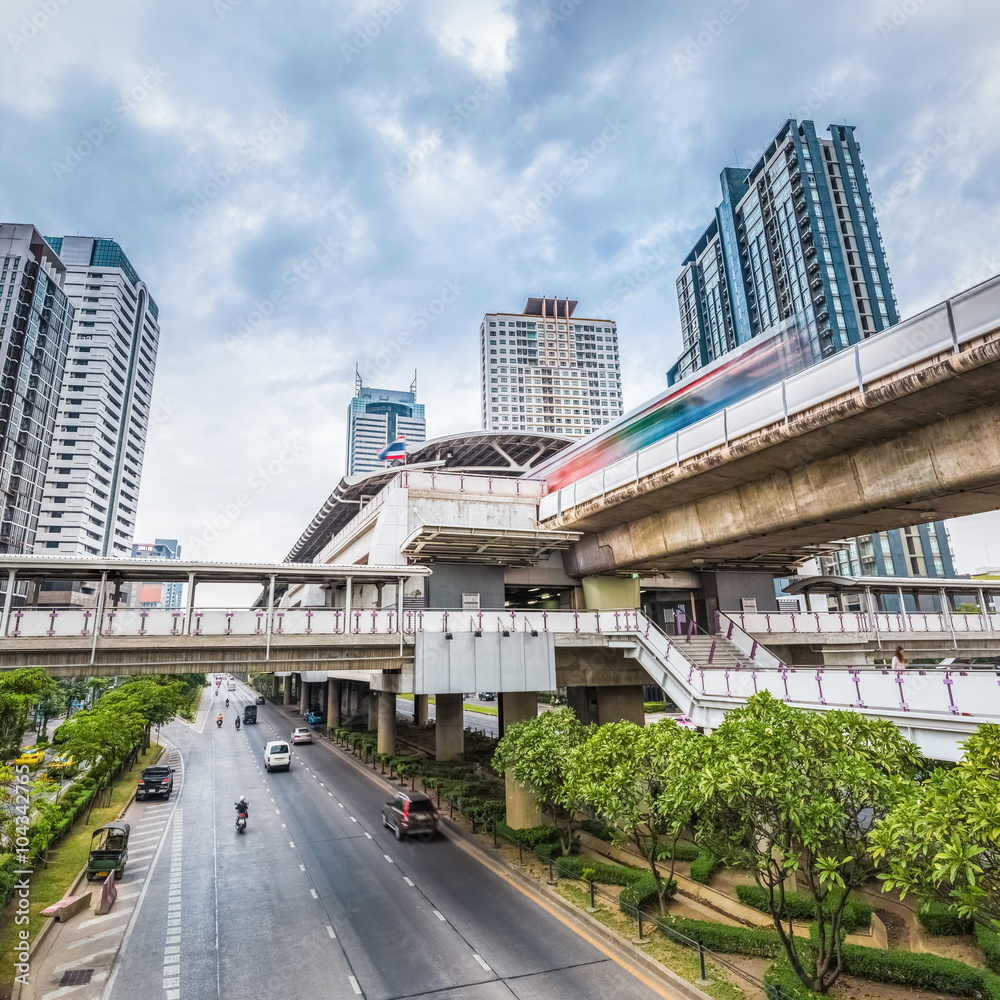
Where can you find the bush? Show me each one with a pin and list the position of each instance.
(920, 971)
(597, 828)
(703, 867)
(531, 836)
(684, 850)
(759, 942)
(939, 919)
(7, 878)
(649, 707)
(641, 894)
(989, 945)
(783, 975)
(802, 906)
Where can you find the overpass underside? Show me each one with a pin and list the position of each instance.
(920, 445)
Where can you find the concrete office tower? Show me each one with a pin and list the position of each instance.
(92, 488)
(794, 239)
(917, 550)
(549, 371)
(156, 595)
(375, 418)
(35, 321)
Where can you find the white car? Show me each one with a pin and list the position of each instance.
(301, 734)
(277, 756)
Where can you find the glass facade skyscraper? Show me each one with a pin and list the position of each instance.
(375, 418)
(794, 239)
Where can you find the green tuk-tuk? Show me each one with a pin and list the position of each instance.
(108, 850)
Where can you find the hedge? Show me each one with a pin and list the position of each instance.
(638, 886)
(989, 945)
(703, 867)
(597, 828)
(802, 906)
(920, 971)
(531, 836)
(938, 919)
(684, 850)
(758, 942)
(782, 974)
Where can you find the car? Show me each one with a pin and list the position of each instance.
(277, 756)
(315, 718)
(63, 760)
(31, 756)
(487, 696)
(410, 813)
(156, 780)
(684, 722)
(302, 734)
(260, 700)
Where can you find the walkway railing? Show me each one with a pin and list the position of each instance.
(865, 623)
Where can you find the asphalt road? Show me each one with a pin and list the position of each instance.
(317, 899)
(488, 724)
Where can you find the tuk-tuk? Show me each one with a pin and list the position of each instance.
(108, 850)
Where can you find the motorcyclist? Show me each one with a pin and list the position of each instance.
(242, 806)
(237, 722)
(219, 719)
(227, 703)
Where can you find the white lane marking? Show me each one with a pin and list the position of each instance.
(368, 835)
(302, 868)
(482, 963)
(330, 794)
(329, 930)
(387, 858)
(277, 812)
(107, 918)
(354, 983)
(315, 894)
(291, 843)
(408, 882)
(94, 937)
(353, 820)
(439, 915)
(341, 804)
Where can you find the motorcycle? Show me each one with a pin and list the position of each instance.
(218, 721)
(237, 723)
(227, 703)
(241, 822)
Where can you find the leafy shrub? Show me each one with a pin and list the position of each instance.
(683, 850)
(7, 878)
(597, 828)
(642, 894)
(703, 867)
(989, 945)
(759, 942)
(920, 971)
(531, 836)
(782, 975)
(802, 906)
(938, 919)
(638, 885)
(649, 707)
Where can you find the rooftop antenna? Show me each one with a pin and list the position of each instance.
(413, 385)
(358, 382)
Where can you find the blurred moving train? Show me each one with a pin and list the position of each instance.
(785, 350)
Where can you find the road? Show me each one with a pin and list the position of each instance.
(317, 899)
(488, 724)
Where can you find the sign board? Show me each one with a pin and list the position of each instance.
(470, 602)
(749, 605)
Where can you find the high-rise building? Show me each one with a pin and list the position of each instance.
(547, 370)
(377, 417)
(92, 487)
(156, 595)
(917, 550)
(35, 321)
(795, 238)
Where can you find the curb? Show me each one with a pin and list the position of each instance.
(50, 922)
(630, 954)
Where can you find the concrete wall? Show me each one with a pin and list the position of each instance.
(449, 581)
(600, 592)
(725, 590)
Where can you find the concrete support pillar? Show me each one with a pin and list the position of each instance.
(286, 690)
(449, 727)
(332, 703)
(583, 701)
(303, 694)
(370, 708)
(387, 722)
(421, 715)
(522, 810)
(621, 703)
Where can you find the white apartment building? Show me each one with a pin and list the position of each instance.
(92, 486)
(547, 370)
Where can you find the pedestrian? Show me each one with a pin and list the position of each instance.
(898, 659)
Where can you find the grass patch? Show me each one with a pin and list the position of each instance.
(670, 955)
(189, 710)
(50, 884)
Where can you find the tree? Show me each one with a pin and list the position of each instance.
(537, 752)
(943, 841)
(789, 791)
(19, 690)
(643, 782)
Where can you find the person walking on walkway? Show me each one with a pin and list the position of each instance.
(899, 660)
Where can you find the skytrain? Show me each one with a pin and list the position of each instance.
(786, 349)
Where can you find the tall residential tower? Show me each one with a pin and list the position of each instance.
(92, 487)
(547, 370)
(794, 238)
(377, 417)
(35, 321)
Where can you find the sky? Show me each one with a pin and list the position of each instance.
(310, 186)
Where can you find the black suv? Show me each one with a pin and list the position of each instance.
(156, 780)
(410, 812)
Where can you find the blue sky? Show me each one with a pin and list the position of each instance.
(299, 182)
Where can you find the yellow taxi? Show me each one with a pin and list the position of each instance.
(63, 760)
(31, 755)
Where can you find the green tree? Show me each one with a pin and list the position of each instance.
(790, 791)
(19, 690)
(643, 781)
(943, 841)
(537, 752)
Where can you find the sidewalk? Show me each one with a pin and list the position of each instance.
(85, 947)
